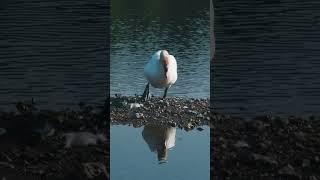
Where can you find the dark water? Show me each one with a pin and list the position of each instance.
(55, 51)
(141, 28)
(134, 153)
(266, 57)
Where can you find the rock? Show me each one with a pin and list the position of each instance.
(300, 136)
(282, 121)
(265, 159)
(135, 105)
(200, 116)
(173, 124)
(2, 131)
(134, 115)
(192, 112)
(241, 144)
(313, 178)
(82, 139)
(190, 126)
(306, 163)
(258, 125)
(288, 170)
(95, 170)
(5, 164)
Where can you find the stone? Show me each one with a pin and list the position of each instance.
(306, 163)
(2, 131)
(94, 170)
(135, 105)
(200, 116)
(265, 159)
(287, 170)
(241, 144)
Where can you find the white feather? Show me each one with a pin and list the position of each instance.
(154, 71)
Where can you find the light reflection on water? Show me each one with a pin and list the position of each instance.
(156, 152)
(135, 36)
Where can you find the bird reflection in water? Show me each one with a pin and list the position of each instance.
(159, 140)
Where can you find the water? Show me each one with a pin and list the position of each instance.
(140, 29)
(266, 57)
(135, 153)
(54, 51)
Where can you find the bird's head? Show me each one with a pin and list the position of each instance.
(164, 58)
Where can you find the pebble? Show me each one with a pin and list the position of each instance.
(173, 124)
(200, 116)
(82, 139)
(192, 112)
(300, 135)
(313, 178)
(190, 125)
(241, 144)
(287, 170)
(265, 159)
(306, 163)
(2, 131)
(135, 105)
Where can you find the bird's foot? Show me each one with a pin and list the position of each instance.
(145, 97)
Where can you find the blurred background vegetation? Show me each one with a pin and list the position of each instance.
(158, 8)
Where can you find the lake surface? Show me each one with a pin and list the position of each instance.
(135, 153)
(267, 57)
(141, 28)
(54, 51)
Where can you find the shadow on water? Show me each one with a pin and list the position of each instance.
(179, 154)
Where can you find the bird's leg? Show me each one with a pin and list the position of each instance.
(145, 95)
(165, 93)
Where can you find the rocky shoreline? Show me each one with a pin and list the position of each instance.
(176, 112)
(47, 144)
(265, 148)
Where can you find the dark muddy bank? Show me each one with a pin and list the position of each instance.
(265, 148)
(45, 144)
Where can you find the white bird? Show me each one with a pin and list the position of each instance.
(161, 72)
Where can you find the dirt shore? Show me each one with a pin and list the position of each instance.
(265, 148)
(176, 112)
(262, 148)
(43, 144)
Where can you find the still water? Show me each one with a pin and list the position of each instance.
(54, 51)
(141, 28)
(267, 57)
(157, 153)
